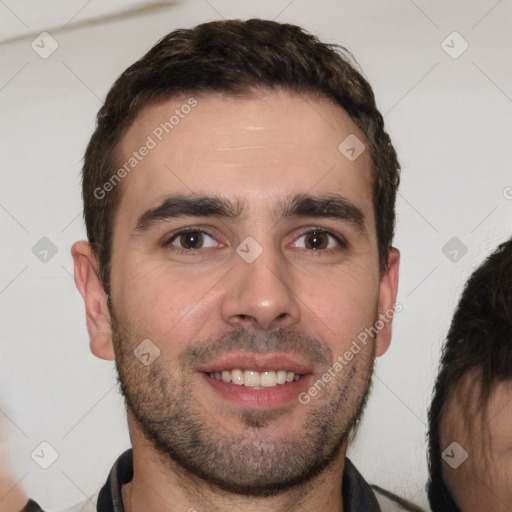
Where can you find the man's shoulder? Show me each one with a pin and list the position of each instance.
(86, 506)
(388, 502)
(360, 495)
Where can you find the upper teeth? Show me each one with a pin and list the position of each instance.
(254, 379)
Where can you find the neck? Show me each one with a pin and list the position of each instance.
(161, 485)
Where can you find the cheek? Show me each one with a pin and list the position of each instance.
(158, 304)
(504, 480)
(342, 305)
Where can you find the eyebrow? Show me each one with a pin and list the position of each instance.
(330, 206)
(188, 206)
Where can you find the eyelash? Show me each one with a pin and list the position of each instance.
(168, 243)
(174, 236)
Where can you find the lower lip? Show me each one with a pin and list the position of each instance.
(276, 396)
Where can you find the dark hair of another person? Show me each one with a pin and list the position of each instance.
(236, 58)
(480, 341)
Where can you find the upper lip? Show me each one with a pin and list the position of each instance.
(257, 362)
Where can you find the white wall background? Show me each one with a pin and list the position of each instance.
(450, 121)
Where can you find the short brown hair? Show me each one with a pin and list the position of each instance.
(235, 57)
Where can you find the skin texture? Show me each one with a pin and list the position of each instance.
(11, 496)
(192, 448)
(482, 481)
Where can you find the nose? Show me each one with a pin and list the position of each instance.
(260, 294)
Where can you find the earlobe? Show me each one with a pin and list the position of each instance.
(387, 299)
(95, 299)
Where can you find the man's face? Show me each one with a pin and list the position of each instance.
(276, 280)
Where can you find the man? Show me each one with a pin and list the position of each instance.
(471, 412)
(239, 195)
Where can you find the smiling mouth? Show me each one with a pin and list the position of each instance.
(254, 379)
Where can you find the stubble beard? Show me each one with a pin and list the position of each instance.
(245, 460)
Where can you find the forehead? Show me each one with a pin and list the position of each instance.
(262, 147)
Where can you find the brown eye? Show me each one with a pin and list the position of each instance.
(192, 239)
(318, 240)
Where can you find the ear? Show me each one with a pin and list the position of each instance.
(90, 287)
(387, 297)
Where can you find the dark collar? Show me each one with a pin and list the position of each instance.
(110, 498)
(357, 494)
